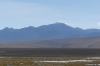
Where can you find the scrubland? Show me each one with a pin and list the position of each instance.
(49, 61)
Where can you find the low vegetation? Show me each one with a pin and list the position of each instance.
(42, 61)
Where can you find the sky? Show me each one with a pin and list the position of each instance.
(23, 13)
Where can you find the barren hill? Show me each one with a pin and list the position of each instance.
(93, 42)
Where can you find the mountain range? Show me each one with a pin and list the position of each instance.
(46, 32)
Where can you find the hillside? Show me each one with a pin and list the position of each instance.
(93, 42)
(46, 32)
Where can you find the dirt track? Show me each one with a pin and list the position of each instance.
(37, 52)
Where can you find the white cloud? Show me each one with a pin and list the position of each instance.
(98, 23)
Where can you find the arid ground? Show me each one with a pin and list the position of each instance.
(49, 52)
(93, 42)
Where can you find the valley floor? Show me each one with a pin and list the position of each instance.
(49, 52)
(49, 61)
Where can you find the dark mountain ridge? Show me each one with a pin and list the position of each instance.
(46, 32)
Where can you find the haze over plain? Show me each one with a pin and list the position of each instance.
(35, 19)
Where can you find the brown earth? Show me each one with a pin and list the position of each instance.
(93, 42)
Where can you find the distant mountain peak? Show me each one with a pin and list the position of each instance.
(56, 30)
(57, 23)
(6, 28)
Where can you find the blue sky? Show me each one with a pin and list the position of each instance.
(23, 13)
